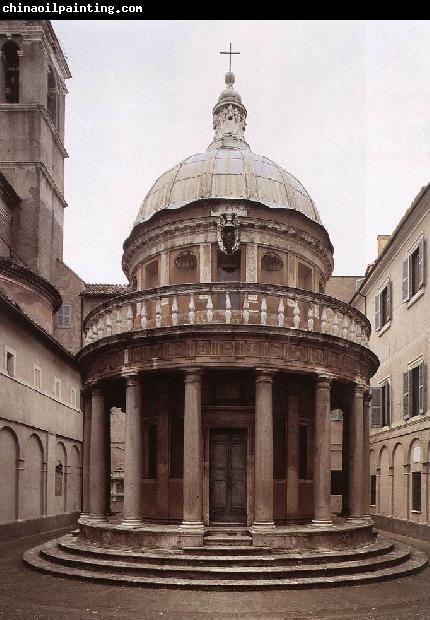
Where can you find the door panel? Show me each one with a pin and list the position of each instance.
(227, 484)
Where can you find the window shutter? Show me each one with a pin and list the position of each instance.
(387, 404)
(405, 290)
(406, 400)
(376, 420)
(377, 312)
(389, 300)
(421, 381)
(421, 264)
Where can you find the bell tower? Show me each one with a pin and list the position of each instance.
(33, 74)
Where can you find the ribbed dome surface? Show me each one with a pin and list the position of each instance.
(231, 173)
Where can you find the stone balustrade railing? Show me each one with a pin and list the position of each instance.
(226, 304)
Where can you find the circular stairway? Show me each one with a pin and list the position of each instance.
(224, 563)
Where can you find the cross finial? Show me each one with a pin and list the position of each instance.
(230, 53)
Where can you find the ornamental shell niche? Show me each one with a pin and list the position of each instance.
(272, 262)
(186, 261)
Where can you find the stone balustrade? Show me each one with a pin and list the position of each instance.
(228, 303)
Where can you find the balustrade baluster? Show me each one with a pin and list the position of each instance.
(118, 320)
(296, 314)
(143, 315)
(175, 310)
(129, 318)
(310, 318)
(158, 315)
(108, 324)
(263, 310)
(227, 308)
(246, 309)
(100, 326)
(335, 323)
(324, 321)
(352, 331)
(192, 310)
(281, 312)
(209, 309)
(345, 325)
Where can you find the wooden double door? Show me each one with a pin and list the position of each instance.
(227, 475)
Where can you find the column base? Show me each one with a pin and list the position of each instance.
(130, 523)
(96, 519)
(192, 533)
(321, 523)
(358, 520)
(262, 526)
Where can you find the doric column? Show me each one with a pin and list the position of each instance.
(263, 464)
(193, 480)
(99, 473)
(356, 462)
(322, 460)
(86, 451)
(366, 452)
(293, 457)
(133, 457)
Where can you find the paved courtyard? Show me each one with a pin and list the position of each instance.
(28, 595)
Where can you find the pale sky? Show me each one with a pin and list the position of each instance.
(342, 105)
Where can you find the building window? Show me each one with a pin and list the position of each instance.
(413, 271)
(57, 388)
(373, 490)
(10, 61)
(64, 316)
(413, 390)
(73, 397)
(10, 362)
(381, 405)
(416, 491)
(383, 306)
(303, 452)
(37, 378)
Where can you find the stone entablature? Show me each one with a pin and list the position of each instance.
(227, 347)
(227, 304)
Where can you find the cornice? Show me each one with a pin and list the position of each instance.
(32, 280)
(10, 165)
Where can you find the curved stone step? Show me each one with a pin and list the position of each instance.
(416, 562)
(52, 553)
(262, 556)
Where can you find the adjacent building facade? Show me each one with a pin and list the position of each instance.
(394, 296)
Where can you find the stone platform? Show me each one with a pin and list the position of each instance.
(230, 559)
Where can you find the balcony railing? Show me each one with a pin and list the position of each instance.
(226, 304)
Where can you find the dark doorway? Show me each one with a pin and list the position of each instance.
(227, 483)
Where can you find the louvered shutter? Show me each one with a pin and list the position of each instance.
(389, 300)
(405, 283)
(421, 382)
(406, 400)
(421, 264)
(376, 420)
(377, 312)
(387, 404)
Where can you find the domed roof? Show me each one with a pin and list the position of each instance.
(228, 169)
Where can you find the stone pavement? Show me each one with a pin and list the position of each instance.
(29, 595)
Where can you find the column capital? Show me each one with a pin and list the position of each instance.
(323, 380)
(359, 390)
(193, 374)
(93, 387)
(265, 375)
(129, 372)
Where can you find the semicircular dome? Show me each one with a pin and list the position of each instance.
(227, 170)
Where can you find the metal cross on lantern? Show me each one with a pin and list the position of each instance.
(230, 53)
